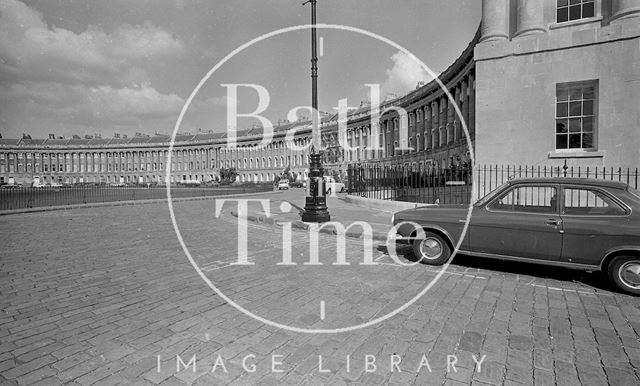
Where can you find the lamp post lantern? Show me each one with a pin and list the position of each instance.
(315, 208)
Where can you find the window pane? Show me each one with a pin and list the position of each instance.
(575, 125)
(563, 3)
(562, 110)
(562, 141)
(575, 109)
(575, 93)
(561, 126)
(563, 15)
(587, 141)
(575, 141)
(529, 199)
(587, 124)
(587, 108)
(589, 93)
(562, 94)
(588, 10)
(585, 202)
(574, 12)
(574, 2)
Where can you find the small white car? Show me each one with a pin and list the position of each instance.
(283, 184)
(332, 186)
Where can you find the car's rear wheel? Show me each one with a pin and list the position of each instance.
(432, 249)
(624, 272)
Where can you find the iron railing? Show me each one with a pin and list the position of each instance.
(31, 197)
(428, 185)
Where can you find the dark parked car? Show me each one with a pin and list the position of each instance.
(585, 224)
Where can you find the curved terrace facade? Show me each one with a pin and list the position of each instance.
(430, 132)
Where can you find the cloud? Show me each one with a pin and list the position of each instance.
(60, 78)
(100, 106)
(32, 50)
(132, 104)
(404, 75)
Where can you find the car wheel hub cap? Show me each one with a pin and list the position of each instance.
(630, 274)
(431, 248)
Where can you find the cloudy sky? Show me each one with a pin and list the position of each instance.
(125, 66)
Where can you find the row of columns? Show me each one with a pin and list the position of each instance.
(276, 151)
(192, 159)
(78, 162)
(530, 16)
(438, 126)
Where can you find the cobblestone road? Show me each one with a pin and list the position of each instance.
(107, 296)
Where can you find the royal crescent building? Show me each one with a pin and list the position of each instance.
(543, 82)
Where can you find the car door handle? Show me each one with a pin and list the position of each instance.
(554, 222)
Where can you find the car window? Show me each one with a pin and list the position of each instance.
(585, 202)
(490, 195)
(527, 199)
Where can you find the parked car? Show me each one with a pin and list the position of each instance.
(189, 183)
(576, 223)
(297, 184)
(12, 186)
(332, 185)
(283, 184)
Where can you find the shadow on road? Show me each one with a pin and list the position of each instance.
(597, 280)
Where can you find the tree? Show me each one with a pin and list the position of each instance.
(228, 175)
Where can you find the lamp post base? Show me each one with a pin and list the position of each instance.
(315, 210)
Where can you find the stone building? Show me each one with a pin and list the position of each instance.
(543, 82)
(420, 128)
(559, 80)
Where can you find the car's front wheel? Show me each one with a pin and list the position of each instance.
(432, 249)
(624, 272)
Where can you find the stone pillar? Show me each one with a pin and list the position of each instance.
(435, 123)
(494, 20)
(471, 123)
(459, 101)
(465, 106)
(530, 17)
(625, 9)
(427, 128)
(444, 119)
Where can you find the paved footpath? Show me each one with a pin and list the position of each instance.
(106, 296)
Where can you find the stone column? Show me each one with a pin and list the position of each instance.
(435, 123)
(427, 128)
(465, 106)
(471, 123)
(530, 17)
(494, 20)
(456, 117)
(625, 9)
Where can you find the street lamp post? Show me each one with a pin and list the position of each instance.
(315, 208)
